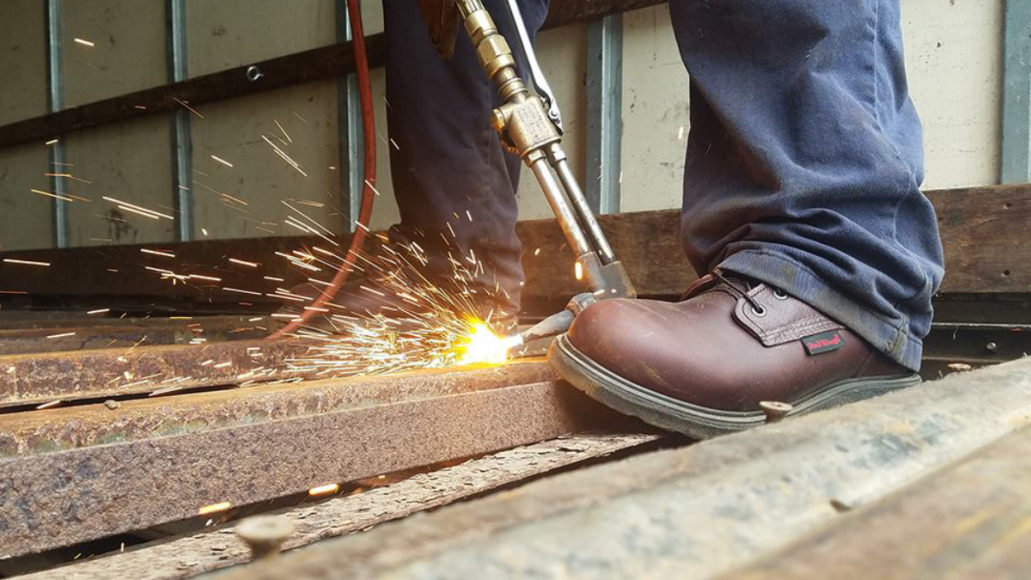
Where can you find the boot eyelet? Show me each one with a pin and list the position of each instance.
(780, 294)
(759, 312)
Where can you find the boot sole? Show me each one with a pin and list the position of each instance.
(696, 421)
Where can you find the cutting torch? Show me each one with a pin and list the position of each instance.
(529, 124)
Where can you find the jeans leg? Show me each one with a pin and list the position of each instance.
(805, 159)
(448, 167)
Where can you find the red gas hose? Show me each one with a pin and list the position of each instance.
(361, 230)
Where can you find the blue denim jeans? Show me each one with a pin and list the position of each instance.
(802, 169)
(805, 159)
(451, 178)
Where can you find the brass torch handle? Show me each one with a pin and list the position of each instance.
(524, 124)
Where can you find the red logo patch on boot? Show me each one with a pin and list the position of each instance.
(823, 342)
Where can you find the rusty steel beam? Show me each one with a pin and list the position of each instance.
(312, 65)
(84, 334)
(692, 512)
(60, 498)
(217, 547)
(62, 376)
(75, 427)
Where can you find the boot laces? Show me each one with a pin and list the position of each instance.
(757, 308)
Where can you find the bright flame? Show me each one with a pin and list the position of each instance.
(324, 489)
(214, 508)
(481, 345)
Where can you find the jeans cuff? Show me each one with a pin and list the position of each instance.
(891, 337)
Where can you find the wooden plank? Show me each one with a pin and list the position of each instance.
(56, 499)
(219, 547)
(985, 232)
(972, 520)
(981, 228)
(693, 512)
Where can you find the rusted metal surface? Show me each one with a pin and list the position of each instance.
(694, 512)
(971, 520)
(41, 378)
(61, 429)
(56, 336)
(219, 548)
(54, 499)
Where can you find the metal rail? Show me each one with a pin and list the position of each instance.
(55, 104)
(1016, 94)
(604, 114)
(182, 141)
(34, 379)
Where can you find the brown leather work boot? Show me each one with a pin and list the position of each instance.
(702, 366)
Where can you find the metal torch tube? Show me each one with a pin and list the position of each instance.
(557, 157)
(467, 7)
(560, 206)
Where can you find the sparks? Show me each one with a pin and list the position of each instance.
(137, 209)
(324, 489)
(26, 262)
(482, 345)
(187, 107)
(214, 508)
(84, 42)
(222, 161)
(163, 253)
(239, 291)
(53, 195)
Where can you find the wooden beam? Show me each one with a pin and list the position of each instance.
(966, 521)
(983, 230)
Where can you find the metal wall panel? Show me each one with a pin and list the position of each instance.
(23, 65)
(128, 162)
(25, 217)
(128, 52)
(243, 196)
(228, 33)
